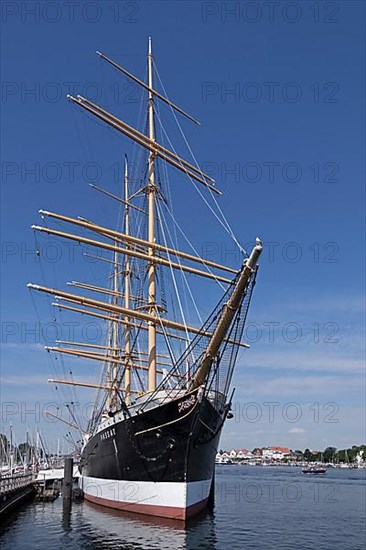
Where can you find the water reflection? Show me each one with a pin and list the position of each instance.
(66, 514)
(103, 526)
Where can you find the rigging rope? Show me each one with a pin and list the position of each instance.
(224, 222)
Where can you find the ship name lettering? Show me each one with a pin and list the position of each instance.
(108, 433)
(183, 405)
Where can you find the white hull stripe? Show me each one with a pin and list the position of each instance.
(166, 499)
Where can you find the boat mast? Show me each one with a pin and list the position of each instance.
(109, 384)
(226, 316)
(115, 328)
(11, 455)
(151, 189)
(127, 296)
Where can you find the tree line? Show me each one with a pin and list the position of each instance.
(332, 454)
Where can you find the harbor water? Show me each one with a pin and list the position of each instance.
(256, 508)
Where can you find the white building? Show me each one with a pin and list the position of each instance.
(276, 453)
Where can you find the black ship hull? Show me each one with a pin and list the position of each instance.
(159, 462)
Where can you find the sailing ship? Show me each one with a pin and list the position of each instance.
(164, 392)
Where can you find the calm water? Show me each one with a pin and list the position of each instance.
(256, 508)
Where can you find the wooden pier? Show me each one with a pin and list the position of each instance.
(14, 490)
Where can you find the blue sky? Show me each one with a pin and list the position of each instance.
(280, 95)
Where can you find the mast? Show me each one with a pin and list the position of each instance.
(109, 384)
(227, 315)
(127, 296)
(113, 364)
(11, 455)
(151, 189)
(115, 327)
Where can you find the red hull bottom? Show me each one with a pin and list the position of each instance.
(170, 512)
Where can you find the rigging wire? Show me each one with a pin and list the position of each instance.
(206, 266)
(224, 222)
(183, 275)
(175, 242)
(174, 282)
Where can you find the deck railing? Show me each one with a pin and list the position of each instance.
(11, 483)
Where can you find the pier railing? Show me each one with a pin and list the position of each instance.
(11, 483)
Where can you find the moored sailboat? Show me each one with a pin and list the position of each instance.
(164, 393)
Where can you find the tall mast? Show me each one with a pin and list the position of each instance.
(115, 334)
(151, 189)
(11, 455)
(109, 367)
(127, 296)
(226, 316)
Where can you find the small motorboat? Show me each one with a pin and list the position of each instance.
(317, 470)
